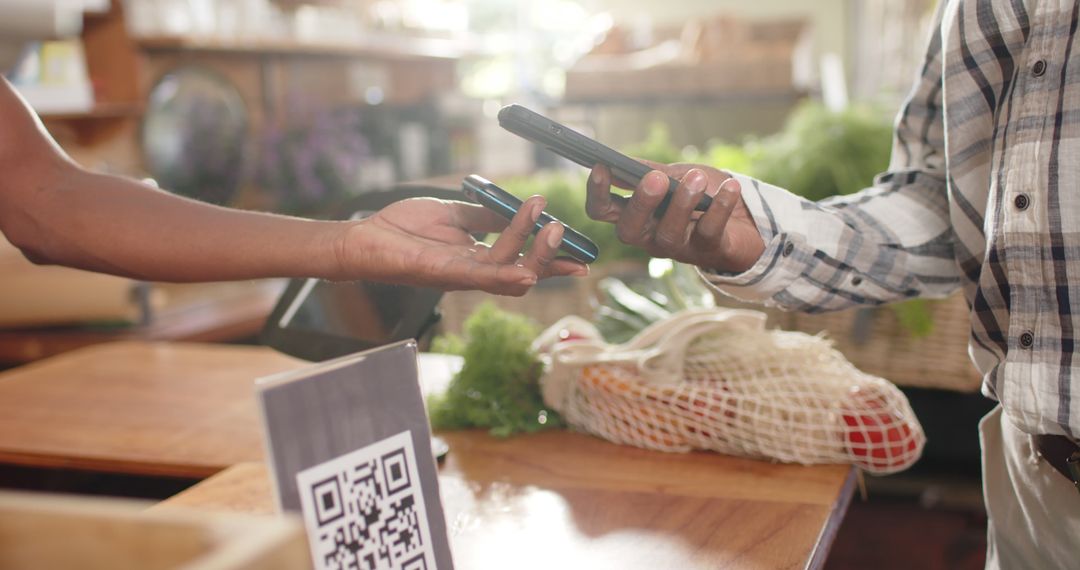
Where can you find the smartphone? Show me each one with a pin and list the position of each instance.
(570, 144)
(487, 194)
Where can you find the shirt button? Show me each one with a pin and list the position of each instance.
(1021, 202)
(1039, 68)
(856, 281)
(1026, 339)
(790, 247)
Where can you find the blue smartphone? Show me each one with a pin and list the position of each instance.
(487, 194)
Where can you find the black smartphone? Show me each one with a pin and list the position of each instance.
(570, 144)
(487, 194)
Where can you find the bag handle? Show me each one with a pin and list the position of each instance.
(659, 350)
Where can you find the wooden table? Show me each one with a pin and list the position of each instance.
(556, 499)
(184, 410)
(216, 312)
(565, 500)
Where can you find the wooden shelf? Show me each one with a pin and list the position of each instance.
(377, 45)
(122, 68)
(741, 97)
(101, 111)
(100, 123)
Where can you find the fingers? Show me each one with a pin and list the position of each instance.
(508, 246)
(538, 263)
(474, 218)
(710, 227)
(500, 279)
(544, 249)
(635, 223)
(541, 257)
(565, 266)
(673, 230)
(676, 170)
(503, 270)
(611, 179)
(600, 203)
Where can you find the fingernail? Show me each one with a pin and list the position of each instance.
(582, 271)
(695, 181)
(555, 237)
(731, 186)
(538, 208)
(594, 177)
(529, 280)
(655, 183)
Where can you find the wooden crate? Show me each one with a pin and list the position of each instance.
(45, 531)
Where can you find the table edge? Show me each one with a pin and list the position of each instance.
(820, 554)
(106, 466)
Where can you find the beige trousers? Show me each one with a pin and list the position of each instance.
(1034, 512)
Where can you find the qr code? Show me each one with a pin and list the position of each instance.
(365, 510)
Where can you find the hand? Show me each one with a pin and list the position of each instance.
(428, 242)
(724, 237)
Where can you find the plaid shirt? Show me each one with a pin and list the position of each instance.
(983, 193)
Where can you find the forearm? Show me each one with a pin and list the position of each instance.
(120, 226)
(887, 243)
(57, 212)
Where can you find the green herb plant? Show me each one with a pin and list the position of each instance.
(657, 146)
(498, 386)
(821, 153)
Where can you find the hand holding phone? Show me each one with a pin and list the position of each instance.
(487, 194)
(583, 150)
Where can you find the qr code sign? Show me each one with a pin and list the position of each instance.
(365, 510)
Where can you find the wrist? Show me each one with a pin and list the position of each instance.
(335, 249)
(744, 257)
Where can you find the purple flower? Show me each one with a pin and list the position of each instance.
(312, 162)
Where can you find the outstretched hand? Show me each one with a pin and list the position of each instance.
(428, 242)
(724, 237)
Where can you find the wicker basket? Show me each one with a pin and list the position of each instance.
(875, 342)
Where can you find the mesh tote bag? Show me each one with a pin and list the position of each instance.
(716, 379)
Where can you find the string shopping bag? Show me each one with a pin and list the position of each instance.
(717, 379)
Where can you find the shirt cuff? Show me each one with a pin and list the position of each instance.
(779, 265)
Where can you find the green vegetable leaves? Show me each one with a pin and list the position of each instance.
(915, 316)
(821, 153)
(631, 305)
(656, 147)
(499, 385)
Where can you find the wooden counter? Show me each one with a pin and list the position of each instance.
(556, 499)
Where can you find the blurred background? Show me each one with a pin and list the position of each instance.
(289, 105)
(304, 107)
